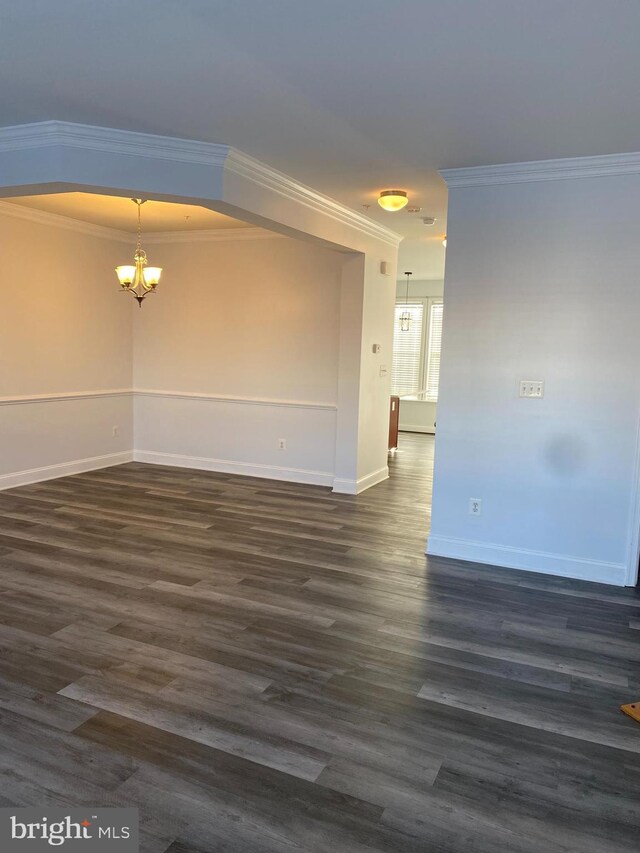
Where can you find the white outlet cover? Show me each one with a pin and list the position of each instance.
(475, 506)
(532, 388)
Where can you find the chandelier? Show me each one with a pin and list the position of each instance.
(137, 278)
(405, 317)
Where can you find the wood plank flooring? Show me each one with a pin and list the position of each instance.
(261, 666)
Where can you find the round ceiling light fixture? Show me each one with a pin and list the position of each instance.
(392, 200)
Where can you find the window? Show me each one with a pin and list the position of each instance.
(434, 344)
(415, 368)
(406, 369)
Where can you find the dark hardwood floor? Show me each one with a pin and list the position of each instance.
(261, 666)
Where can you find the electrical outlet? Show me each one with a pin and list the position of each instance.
(282, 444)
(116, 431)
(475, 506)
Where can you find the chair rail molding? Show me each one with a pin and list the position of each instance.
(226, 398)
(61, 396)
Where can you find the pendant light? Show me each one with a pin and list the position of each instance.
(405, 317)
(137, 278)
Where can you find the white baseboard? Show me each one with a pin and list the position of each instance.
(544, 562)
(63, 469)
(416, 428)
(227, 466)
(354, 487)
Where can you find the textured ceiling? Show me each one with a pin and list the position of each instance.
(348, 96)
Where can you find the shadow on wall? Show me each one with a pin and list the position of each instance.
(566, 456)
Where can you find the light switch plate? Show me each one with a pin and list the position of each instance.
(532, 388)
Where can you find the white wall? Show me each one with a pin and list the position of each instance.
(542, 282)
(65, 352)
(238, 349)
(419, 415)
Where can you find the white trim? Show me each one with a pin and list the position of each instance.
(265, 176)
(221, 398)
(111, 140)
(63, 469)
(633, 540)
(355, 487)
(55, 220)
(65, 395)
(544, 170)
(148, 392)
(210, 235)
(48, 134)
(561, 565)
(227, 466)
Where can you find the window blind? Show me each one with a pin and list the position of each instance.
(433, 352)
(407, 350)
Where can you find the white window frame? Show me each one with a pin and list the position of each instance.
(433, 301)
(428, 302)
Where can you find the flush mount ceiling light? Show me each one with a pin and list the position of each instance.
(137, 278)
(405, 317)
(392, 200)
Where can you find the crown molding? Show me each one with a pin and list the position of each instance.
(44, 217)
(211, 235)
(55, 220)
(57, 134)
(271, 179)
(111, 140)
(544, 170)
